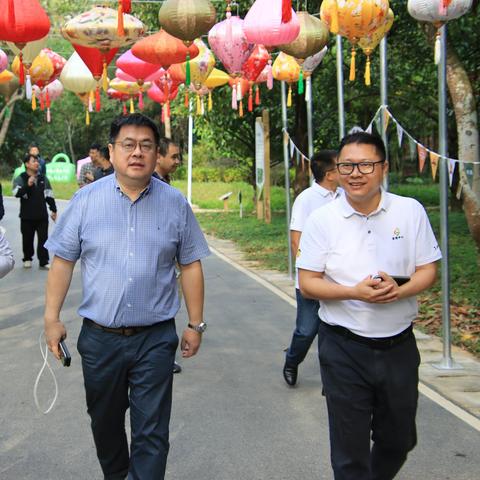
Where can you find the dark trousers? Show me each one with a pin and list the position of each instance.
(306, 329)
(28, 229)
(137, 372)
(369, 392)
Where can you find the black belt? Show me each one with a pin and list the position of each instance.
(126, 331)
(381, 343)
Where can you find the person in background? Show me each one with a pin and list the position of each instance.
(35, 151)
(104, 167)
(129, 230)
(168, 160)
(35, 193)
(87, 170)
(6, 255)
(366, 256)
(323, 190)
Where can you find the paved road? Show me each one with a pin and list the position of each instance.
(233, 419)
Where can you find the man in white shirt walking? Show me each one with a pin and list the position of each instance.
(323, 191)
(366, 256)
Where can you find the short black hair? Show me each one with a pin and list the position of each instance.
(27, 156)
(104, 152)
(33, 145)
(95, 146)
(322, 162)
(135, 119)
(164, 144)
(365, 138)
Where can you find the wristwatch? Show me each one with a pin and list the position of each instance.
(200, 328)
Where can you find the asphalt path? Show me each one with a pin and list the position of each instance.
(233, 416)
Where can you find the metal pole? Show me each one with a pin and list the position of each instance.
(447, 362)
(286, 161)
(190, 152)
(341, 104)
(309, 100)
(384, 96)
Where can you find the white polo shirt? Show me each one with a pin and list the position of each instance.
(348, 246)
(308, 201)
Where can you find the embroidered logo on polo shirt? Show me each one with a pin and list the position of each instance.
(396, 234)
(299, 252)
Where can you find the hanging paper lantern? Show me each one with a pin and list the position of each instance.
(185, 19)
(58, 62)
(369, 43)
(160, 95)
(136, 68)
(8, 88)
(354, 19)
(96, 61)
(116, 95)
(46, 95)
(130, 88)
(163, 49)
(230, 45)
(119, 73)
(41, 69)
(264, 23)
(6, 76)
(23, 21)
(98, 28)
(217, 78)
(286, 69)
(76, 77)
(438, 12)
(311, 63)
(3, 61)
(177, 73)
(256, 63)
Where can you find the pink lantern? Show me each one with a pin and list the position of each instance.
(163, 95)
(136, 68)
(265, 23)
(47, 94)
(120, 97)
(3, 61)
(119, 73)
(230, 45)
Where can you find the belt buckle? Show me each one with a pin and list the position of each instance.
(128, 331)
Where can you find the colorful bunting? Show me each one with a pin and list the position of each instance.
(422, 156)
(434, 158)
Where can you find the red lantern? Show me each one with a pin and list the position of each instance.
(136, 68)
(163, 49)
(22, 21)
(255, 64)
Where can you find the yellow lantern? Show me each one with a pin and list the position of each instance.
(201, 66)
(286, 69)
(41, 68)
(6, 76)
(369, 43)
(354, 19)
(8, 88)
(217, 78)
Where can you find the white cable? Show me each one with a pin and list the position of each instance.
(45, 364)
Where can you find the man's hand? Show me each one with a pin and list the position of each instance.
(190, 342)
(55, 332)
(53, 216)
(378, 290)
(31, 181)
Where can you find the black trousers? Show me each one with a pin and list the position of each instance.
(137, 372)
(28, 229)
(369, 392)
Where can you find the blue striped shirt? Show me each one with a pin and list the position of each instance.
(128, 250)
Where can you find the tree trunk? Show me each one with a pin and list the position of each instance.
(465, 108)
(7, 113)
(302, 179)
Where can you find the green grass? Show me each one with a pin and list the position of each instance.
(62, 191)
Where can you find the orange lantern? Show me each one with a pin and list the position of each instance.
(286, 69)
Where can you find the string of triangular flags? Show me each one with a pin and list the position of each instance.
(415, 146)
(293, 148)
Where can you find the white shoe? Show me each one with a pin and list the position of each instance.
(27, 264)
(45, 267)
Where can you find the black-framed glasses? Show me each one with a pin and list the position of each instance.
(130, 146)
(365, 168)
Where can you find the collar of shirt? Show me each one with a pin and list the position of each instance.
(347, 210)
(118, 188)
(324, 192)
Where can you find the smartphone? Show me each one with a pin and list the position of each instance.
(65, 357)
(401, 279)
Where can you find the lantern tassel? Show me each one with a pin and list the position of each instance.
(105, 77)
(289, 98)
(308, 89)
(98, 104)
(199, 106)
(257, 95)
(352, 65)
(34, 102)
(124, 108)
(301, 85)
(21, 73)
(286, 11)
(91, 98)
(239, 91)
(140, 99)
(186, 101)
(49, 116)
(47, 99)
(132, 107)
(269, 75)
(438, 47)
(250, 100)
(334, 21)
(120, 26)
(87, 117)
(28, 86)
(240, 109)
(210, 102)
(234, 98)
(42, 102)
(187, 71)
(367, 72)
(127, 5)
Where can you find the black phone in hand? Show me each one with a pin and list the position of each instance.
(65, 357)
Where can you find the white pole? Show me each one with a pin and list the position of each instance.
(190, 152)
(341, 105)
(384, 96)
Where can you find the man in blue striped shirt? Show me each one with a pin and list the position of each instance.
(128, 230)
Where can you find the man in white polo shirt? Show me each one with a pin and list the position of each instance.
(368, 355)
(323, 191)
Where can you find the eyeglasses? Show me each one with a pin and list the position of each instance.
(363, 167)
(130, 146)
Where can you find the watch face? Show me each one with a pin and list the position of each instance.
(200, 328)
